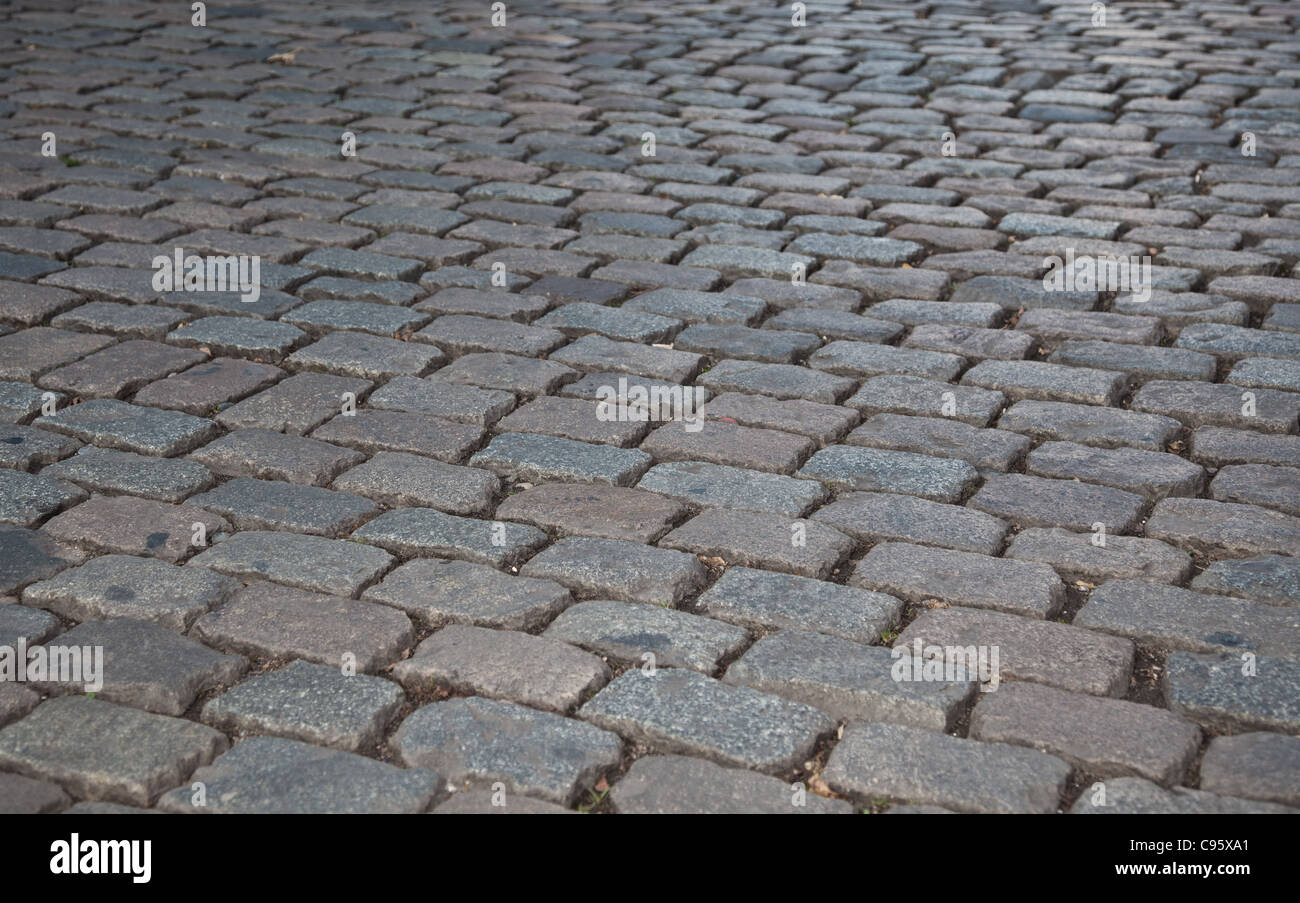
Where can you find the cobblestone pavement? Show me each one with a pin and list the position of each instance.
(374, 530)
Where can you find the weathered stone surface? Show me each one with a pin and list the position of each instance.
(1172, 618)
(716, 485)
(761, 600)
(1154, 475)
(1105, 737)
(313, 703)
(424, 531)
(875, 516)
(1229, 693)
(269, 455)
(612, 512)
(337, 566)
(680, 785)
(269, 621)
(1046, 652)
(536, 671)
(846, 680)
(399, 480)
(1077, 557)
(1265, 578)
(116, 424)
(615, 569)
(879, 470)
(676, 710)
(1257, 766)
(917, 573)
(274, 505)
(628, 632)
(529, 457)
(1090, 425)
(807, 548)
(476, 743)
(28, 555)
(904, 763)
(26, 796)
(101, 751)
(1136, 796)
(135, 526)
(436, 592)
(1030, 501)
(275, 775)
(115, 472)
(1224, 528)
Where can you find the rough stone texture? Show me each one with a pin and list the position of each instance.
(629, 633)
(1228, 692)
(337, 566)
(1136, 796)
(436, 591)
(679, 785)
(1105, 737)
(1047, 652)
(807, 548)
(149, 667)
(126, 586)
(536, 671)
(870, 325)
(614, 569)
(1264, 578)
(762, 600)
(679, 711)
(917, 573)
(313, 703)
(881, 516)
(904, 763)
(847, 681)
(1257, 766)
(1078, 558)
(101, 751)
(476, 743)
(275, 775)
(1174, 618)
(268, 621)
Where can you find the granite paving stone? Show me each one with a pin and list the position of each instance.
(593, 567)
(147, 666)
(1226, 693)
(1170, 617)
(1105, 737)
(848, 681)
(909, 764)
(918, 573)
(269, 621)
(127, 586)
(337, 566)
(480, 743)
(540, 672)
(270, 455)
(251, 504)
(277, 775)
(1039, 651)
(763, 600)
(97, 750)
(681, 785)
(437, 591)
(824, 245)
(676, 710)
(312, 703)
(750, 539)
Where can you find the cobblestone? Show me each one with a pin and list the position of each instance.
(902, 414)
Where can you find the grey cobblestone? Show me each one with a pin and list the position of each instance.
(895, 391)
